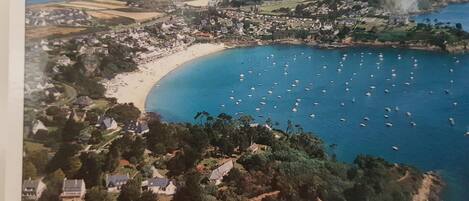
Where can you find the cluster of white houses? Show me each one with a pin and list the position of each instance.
(64, 16)
(75, 189)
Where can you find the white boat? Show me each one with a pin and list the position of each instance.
(312, 115)
(294, 110)
(342, 119)
(408, 114)
(363, 125)
(366, 118)
(387, 109)
(269, 92)
(388, 124)
(368, 94)
(451, 121)
(413, 124)
(395, 148)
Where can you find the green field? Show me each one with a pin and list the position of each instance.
(269, 7)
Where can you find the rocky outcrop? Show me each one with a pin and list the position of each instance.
(430, 188)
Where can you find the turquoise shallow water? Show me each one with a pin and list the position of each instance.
(453, 13)
(426, 84)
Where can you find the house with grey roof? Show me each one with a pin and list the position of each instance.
(32, 189)
(217, 175)
(73, 190)
(106, 123)
(137, 127)
(159, 186)
(115, 182)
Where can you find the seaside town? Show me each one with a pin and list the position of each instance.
(90, 64)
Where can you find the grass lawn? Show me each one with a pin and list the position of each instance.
(108, 136)
(209, 163)
(100, 104)
(267, 8)
(34, 146)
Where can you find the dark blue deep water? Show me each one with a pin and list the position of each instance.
(431, 86)
(453, 13)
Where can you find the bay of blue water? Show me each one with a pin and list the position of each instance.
(453, 13)
(30, 2)
(432, 86)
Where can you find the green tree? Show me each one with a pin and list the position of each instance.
(148, 196)
(72, 165)
(130, 191)
(112, 159)
(97, 194)
(71, 129)
(124, 112)
(39, 159)
(65, 152)
(92, 169)
(54, 180)
(191, 190)
(29, 170)
(96, 137)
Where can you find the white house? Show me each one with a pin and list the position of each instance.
(32, 189)
(73, 190)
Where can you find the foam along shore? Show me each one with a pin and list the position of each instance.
(134, 87)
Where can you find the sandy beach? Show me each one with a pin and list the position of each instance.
(135, 86)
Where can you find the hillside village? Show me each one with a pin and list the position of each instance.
(82, 145)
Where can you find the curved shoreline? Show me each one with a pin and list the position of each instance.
(134, 87)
